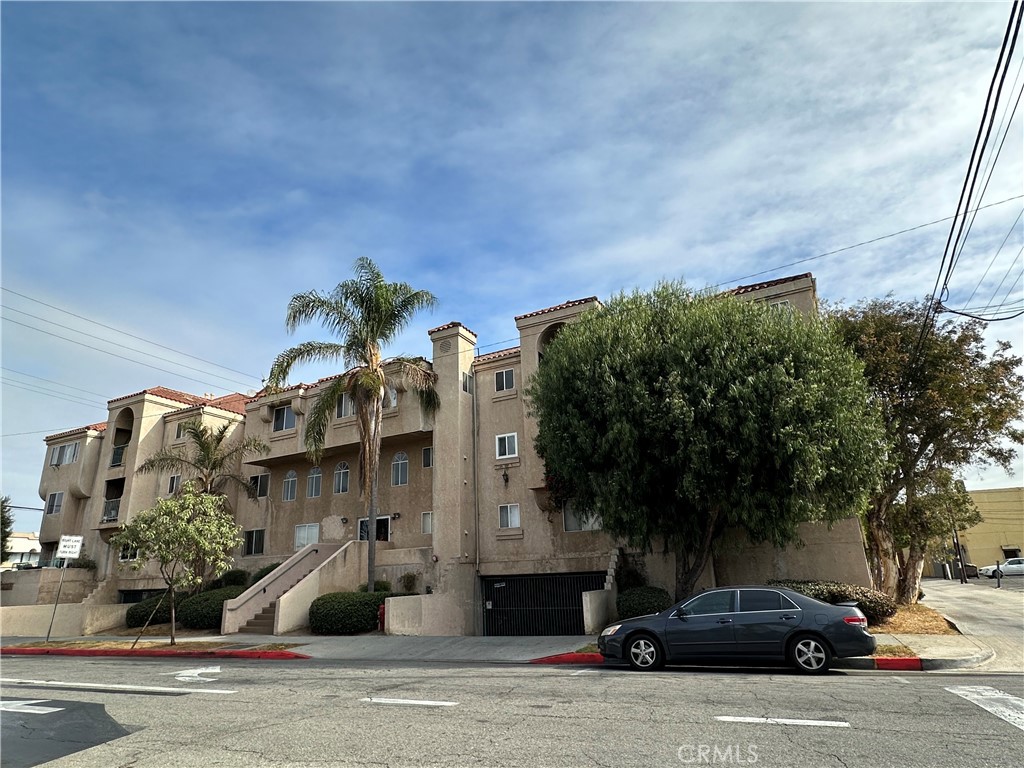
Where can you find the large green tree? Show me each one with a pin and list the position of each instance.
(946, 401)
(6, 526)
(208, 459)
(672, 416)
(365, 314)
(190, 536)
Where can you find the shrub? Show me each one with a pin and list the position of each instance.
(139, 612)
(203, 611)
(408, 582)
(233, 578)
(264, 571)
(877, 606)
(641, 601)
(378, 586)
(345, 613)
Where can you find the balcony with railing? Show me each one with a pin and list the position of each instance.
(111, 508)
(117, 457)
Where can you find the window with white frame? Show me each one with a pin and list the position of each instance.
(54, 502)
(346, 406)
(784, 304)
(284, 418)
(572, 521)
(504, 380)
(341, 477)
(64, 454)
(428, 457)
(288, 487)
(179, 431)
(306, 534)
(467, 382)
(173, 484)
(253, 542)
(508, 516)
(506, 446)
(313, 483)
(427, 522)
(260, 485)
(127, 554)
(400, 469)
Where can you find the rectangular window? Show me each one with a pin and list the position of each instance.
(179, 432)
(54, 502)
(64, 454)
(508, 516)
(253, 544)
(346, 406)
(260, 485)
(341, 478)
(504, 380)
(173, 485)
(571, 522)
(127, 554)
(427, 522)
(428, 457)
(467, 383)
(306, 534)
(784, 304)
(506, 445)
(313, 485)
(284, 418)
(288, 487)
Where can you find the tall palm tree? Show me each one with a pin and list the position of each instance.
(209, 463)
(365, 313)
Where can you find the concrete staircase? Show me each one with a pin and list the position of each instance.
(263, 622)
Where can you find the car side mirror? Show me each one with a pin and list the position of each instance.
(681, 615)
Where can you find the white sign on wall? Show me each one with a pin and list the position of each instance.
(70, 547)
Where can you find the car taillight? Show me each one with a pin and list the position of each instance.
(860, 621)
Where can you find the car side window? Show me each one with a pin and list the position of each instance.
(711, 602)
(760, 600)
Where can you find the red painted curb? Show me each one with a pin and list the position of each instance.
(905, 663)
(212, 654)
(570, 658)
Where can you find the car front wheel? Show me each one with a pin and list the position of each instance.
(644, 653)
(810, 655)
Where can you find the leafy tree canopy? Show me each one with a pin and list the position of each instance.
(672, 415)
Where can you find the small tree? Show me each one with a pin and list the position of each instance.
(674, 415)
(6, 526)
(186, 535)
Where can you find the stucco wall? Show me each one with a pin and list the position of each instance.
(425, 615)
(69, 621)
(1002, 510)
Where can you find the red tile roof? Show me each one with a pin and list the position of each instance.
(167, 394)
(235, 403)
(565, 305)
(741, 289)
(497, 355)
(446, 326)
(94, 427)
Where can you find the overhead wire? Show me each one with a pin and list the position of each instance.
(994, 257)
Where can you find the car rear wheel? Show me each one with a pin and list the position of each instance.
(810, 655)
(644, 653)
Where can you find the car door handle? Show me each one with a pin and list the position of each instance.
(787, 617)
(725, 621)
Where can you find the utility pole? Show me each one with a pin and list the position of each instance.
(959, 555)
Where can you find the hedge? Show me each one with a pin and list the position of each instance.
(877, 606)
(642, 601)
(203, 611)
(378, 586)
(345, 613)
(233, 578)
(139, 612)
(264, 571)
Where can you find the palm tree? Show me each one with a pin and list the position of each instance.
(209, 464)
(365, 313)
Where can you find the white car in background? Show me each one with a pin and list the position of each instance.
(1012, 567)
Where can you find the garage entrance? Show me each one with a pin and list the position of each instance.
(538, 604)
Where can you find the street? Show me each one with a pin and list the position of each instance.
(258, 713)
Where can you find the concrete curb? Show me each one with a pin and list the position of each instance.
(570, 658)
(211, 654)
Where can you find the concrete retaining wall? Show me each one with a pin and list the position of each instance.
(598, 610)
(70, 620)
(427, 615)
(38, 586)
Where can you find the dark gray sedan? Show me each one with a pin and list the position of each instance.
(736, 624)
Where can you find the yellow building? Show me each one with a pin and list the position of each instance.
(1000, 535)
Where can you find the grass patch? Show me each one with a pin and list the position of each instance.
(915, 620)
(588, 648)
(893, 651)
(275, 646)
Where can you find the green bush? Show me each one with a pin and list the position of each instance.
(203, 611)
(139, 612)
(264, 571)
(408, 582)
(345, 613)
(877, 606)
(378, 586)
(641, 601)
(233, 578)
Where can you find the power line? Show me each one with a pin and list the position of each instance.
(35, 432)
(46, 390)
(132, 335)
(51, 381)
(994, 257)
(58, 397)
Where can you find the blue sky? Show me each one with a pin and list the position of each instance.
(179, 170)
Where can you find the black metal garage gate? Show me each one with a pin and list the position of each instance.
(539, 604)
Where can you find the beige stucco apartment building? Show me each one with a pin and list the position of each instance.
(463, 504)
(1000, 534)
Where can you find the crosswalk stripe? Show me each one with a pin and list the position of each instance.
(1002, 705)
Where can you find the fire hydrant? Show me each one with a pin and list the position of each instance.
(380, 617)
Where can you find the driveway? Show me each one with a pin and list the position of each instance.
(993, 616)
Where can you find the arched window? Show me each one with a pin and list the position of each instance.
(313, 483)
(288, 488)
(341, 477)
(400, 469)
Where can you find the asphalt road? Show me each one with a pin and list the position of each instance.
(245, 713)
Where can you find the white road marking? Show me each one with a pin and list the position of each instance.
(901, 680)
(193, 675)
(107, 686)
(783, 721)
(414, 702)
(1002, 705)
(28, 707)
(581, 672)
